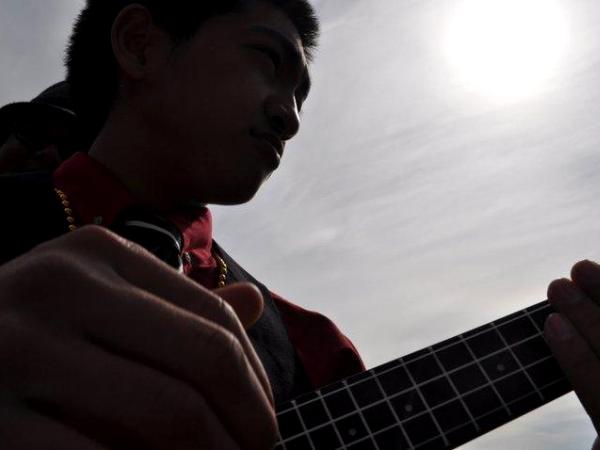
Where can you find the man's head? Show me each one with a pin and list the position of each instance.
(208, 82)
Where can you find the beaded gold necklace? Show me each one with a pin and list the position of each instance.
(64, 200)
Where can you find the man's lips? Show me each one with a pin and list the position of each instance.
(271, 139)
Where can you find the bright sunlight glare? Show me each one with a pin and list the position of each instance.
(506, 49)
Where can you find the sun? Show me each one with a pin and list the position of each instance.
(506, 49)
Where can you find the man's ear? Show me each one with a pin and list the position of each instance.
(136, 41)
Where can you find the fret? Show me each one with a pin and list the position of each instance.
(407, 404)
(470, 401)
(298, 443)
(538, 314)
(513, 336)
(531, 350)
(422, 366)
(444, 422)
(353, 431)
(545, 372)
(379, 416)
(498, 364)
(306, 441)
(364, 444)
(339, 403)
(484, 342)
(351, 428)
(468, 378)
(484, 400)
(438, 398)
(454, 355)
(516, 330)
(395, 437)
(422, 428)
(325, 439)
(289, 424)
(313, 414)
(394, 381)
(513, 386)
(366, 392)
(418, 427)
(437, 391)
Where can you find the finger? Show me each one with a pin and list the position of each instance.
(570, 300)
(246, 300)
(596, 445)
(142, 269)
(135, 323)
(22, 429)
(586, 274)
(577, 360)
(117, 402)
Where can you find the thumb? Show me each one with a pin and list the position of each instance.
(596, 445)
(246, 300)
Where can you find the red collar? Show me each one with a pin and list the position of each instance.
(98, 196)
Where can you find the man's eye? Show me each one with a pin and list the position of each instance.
(272, 55)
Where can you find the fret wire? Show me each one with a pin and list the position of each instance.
(533, 321)
(533, 309)
(466, 423)
(386, 398)
(422, 413)
(478, 362)
(478, 388)
(462, 339)
(541, 305)
(337, 432)
(280, 440)
(303, 425)
(517, 360)
(458, 394)
(456, 369)
(359, 410)
(427, 407)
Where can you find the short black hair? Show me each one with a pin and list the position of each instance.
(92, 70)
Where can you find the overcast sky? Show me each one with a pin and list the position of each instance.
(445, 173)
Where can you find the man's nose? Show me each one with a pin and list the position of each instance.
(283, 118)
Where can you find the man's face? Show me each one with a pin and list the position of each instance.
(227, 101)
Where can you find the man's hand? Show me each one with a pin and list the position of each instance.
(103, 346)
(574, 333)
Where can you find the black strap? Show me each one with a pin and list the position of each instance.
(271, 341)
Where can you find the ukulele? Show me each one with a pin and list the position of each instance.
(436, 398)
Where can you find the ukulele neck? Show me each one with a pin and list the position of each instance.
(437, 398)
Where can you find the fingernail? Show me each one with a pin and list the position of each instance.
(558, 327)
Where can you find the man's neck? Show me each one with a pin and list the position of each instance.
(124, 147)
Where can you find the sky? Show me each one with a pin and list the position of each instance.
(443, 176)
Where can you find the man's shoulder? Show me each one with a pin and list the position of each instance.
(14, 187)
(32, 213)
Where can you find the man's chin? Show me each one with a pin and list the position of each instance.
(242, 191)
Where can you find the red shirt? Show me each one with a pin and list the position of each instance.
(97, 196)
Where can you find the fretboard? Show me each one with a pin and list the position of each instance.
(437, 398)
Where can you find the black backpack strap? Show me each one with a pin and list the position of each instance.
(32, 213)
(270, 339)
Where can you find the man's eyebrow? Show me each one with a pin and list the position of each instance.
(291, 51)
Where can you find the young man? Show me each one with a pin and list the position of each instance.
(105, 346)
